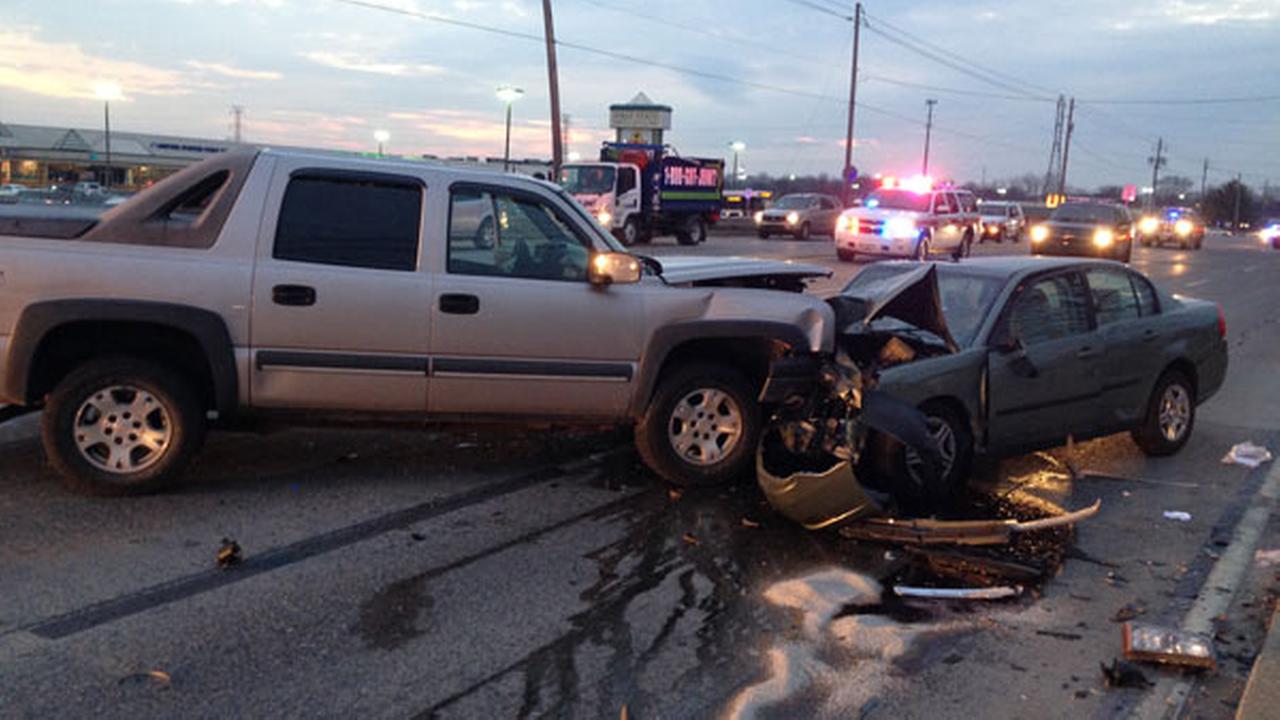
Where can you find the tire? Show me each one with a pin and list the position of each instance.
(922, 249)
(957, 457)
(683, 392)
(101, 397)
(630, 233)
(846, 255)
(694, 232)
(1156, 438)
(763, 235)
(803, 232)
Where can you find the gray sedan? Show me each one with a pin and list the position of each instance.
(1000, 356)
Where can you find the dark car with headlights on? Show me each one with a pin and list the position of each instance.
(801, 215)
(1175, 225)
(1001, 355)
(1270, 233)
(1085, 229)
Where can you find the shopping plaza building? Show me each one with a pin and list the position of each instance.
(40, 156)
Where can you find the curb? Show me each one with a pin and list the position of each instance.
(1262, 693)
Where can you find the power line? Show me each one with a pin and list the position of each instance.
(822, 9)
(955, 91)
(1186, 101)
(952, 64)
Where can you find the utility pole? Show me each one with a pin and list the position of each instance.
(1204, 179)
(106, 124)
(1155, 168)
(928, 130)
(1235, 216)
(1066, 147)
(1055, 150)
(553, 79)
(853, 94)
(237, 111)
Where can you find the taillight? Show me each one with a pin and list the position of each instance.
(1222, 324)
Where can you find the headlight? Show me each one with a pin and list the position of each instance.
(1039, 233)
(1149, 226)
(900, 227)
(991, 228)
(1103, 237)
(847, 224)
(1182, 227)
(604, 217)
(759, 216)
(793, 217)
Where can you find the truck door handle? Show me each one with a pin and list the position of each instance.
(293, 295)
(1088, 351)
(459, 304)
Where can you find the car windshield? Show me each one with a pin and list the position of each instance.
(898, 200)
(1084, 213)
(966, 297)
(587, 179)
(793, 202)
(993, 208)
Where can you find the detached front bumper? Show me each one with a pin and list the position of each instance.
(816, 499)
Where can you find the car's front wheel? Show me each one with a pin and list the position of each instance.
(1170, 417)
(701, 427)
(122, 426)
(846, 255)
(803, 232)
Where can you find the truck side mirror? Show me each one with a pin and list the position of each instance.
(607, 268)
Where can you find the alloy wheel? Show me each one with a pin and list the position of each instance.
(705, 426)
(122, 429)
(1175, 412)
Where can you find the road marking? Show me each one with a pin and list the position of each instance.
(1171, 693)
(1196, 283)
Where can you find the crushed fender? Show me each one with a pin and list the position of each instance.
(958, 532)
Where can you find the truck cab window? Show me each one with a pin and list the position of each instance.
(512, 235)
(352, 222)
(626, 180)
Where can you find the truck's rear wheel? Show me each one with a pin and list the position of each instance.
(122, 426)
(630, 233)
(694, 231)
(701, 427)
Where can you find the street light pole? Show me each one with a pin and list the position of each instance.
(853, 94)
(107, 92)
(738, 146)
(382, 136)
(508, 95)
(928, 130)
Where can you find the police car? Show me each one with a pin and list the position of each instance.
(912, 219)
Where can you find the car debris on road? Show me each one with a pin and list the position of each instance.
(981, 593)
(1247, 454)
(229, 554)
(958, 532)
(1168, 646)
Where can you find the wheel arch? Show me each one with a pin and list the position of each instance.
(52, 338)
(746, 345)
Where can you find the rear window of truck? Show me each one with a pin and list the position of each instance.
(350, 221)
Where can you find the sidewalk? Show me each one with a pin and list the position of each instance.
(1262, 695)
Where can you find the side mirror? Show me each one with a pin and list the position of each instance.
(607, 268)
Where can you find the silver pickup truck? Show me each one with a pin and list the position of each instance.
(295, 286)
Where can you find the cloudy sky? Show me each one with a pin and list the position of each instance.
(771, 73)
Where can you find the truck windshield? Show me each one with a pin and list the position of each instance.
(587, 179)
(898, 200)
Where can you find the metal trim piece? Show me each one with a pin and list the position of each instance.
(341, 361)
(534, 368)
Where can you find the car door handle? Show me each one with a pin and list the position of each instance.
(1088, 351)
(459, 304)
(299, 295)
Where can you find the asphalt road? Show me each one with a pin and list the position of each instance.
(475, 574)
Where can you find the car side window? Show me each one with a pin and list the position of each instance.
(941, 204)
(1147, 304)
(503, 234)
(968, 202)
(351, 221)
(1113, 297)
(1050, 309)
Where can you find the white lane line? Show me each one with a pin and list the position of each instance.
(1170, 693)
(1196, 283)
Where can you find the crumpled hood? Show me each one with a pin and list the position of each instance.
(677, 270)
(911, 297)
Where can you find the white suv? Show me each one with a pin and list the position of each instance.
(900, 222)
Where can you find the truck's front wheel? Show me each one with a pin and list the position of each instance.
(122, 426)
(630, 233)
(701, 427)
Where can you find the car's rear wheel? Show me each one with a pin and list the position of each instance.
(122, 426)
(701, 427)
(1170, 417)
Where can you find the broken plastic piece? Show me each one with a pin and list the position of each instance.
(1179, 515)
(1247, 454)
(229, 554)
(959, 532)
(1267, 557)
(1121, 674)
(1152, 643)
(987, 593)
